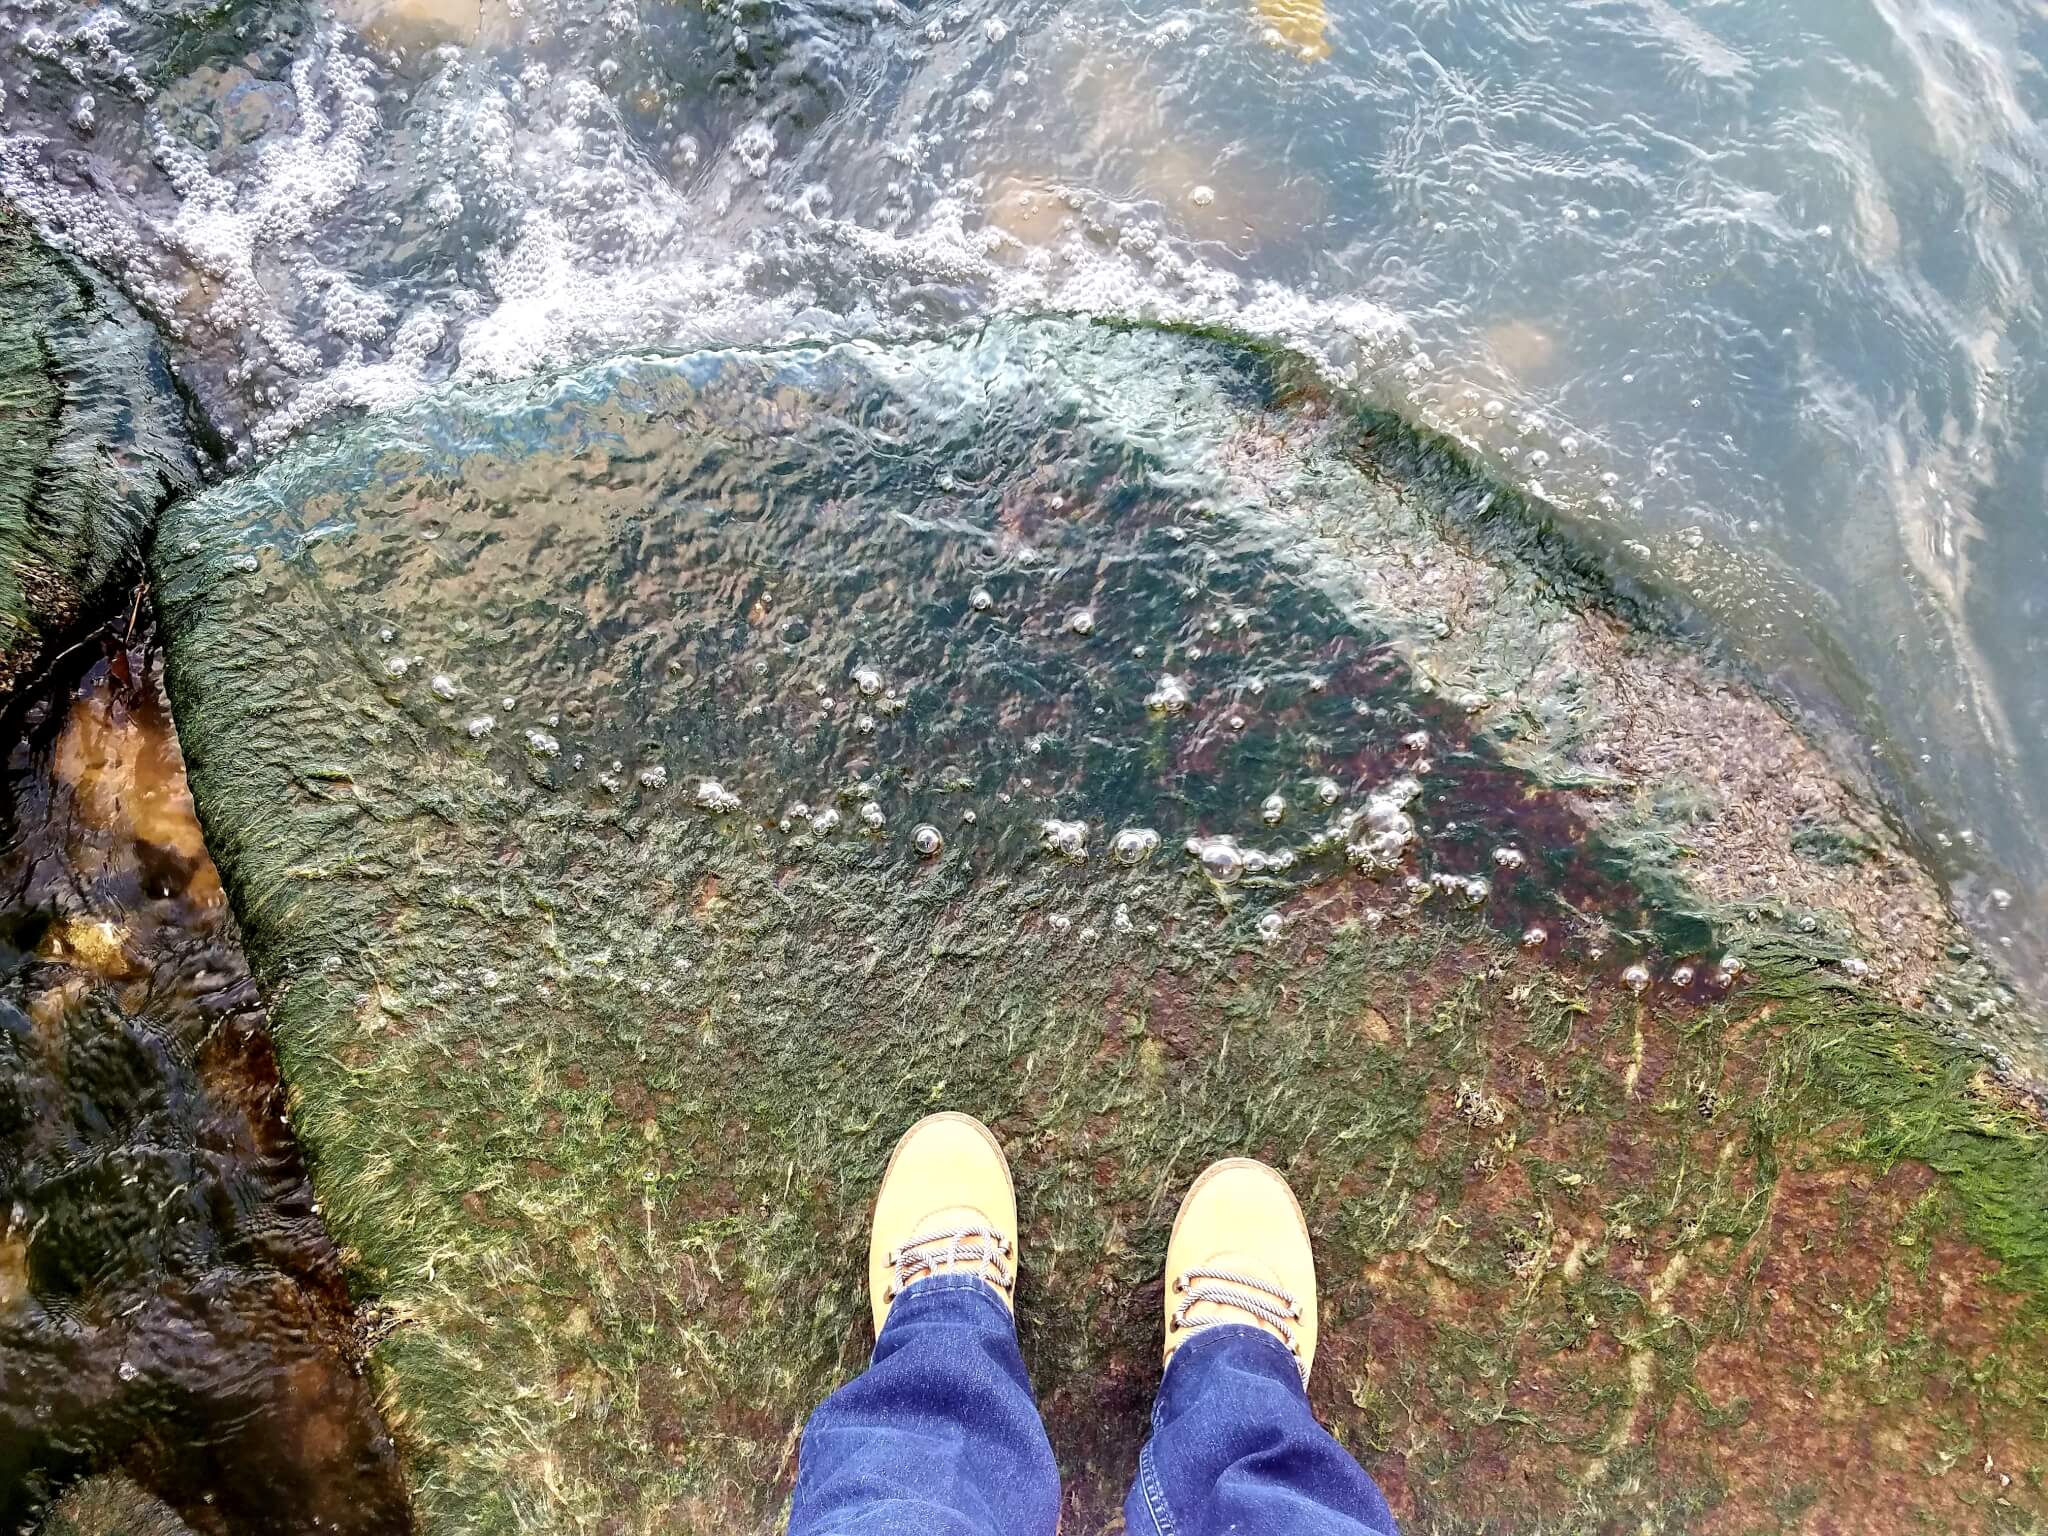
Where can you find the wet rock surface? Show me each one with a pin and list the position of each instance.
(170, 1304)
(94, 439)
(646, 792)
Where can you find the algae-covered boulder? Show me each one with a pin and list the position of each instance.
(94, 439)
(645, 792)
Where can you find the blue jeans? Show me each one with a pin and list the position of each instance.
(940, 1436)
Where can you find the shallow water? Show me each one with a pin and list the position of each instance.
(170, 1302)
(1749, 290)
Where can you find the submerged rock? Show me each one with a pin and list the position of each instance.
(94, 439)
(597, 1085)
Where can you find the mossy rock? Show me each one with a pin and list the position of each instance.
(94, 439)
(561, 746)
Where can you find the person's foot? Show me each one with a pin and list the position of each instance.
(946, 1207)
(1240, 1254)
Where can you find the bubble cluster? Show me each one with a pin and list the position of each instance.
(714, 797)
(1383, 828)
(1134, 845)
(1069, 839)
(1170, 697)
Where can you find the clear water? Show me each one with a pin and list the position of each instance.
(1748, 289)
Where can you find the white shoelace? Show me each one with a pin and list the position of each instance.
(955, 1251)
(1270, 1304)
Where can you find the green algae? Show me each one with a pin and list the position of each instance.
(596, 1082)
(94, 439)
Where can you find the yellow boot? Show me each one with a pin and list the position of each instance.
(946, 1207)
(1240, 1254)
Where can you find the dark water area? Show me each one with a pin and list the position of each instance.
(170, 1304)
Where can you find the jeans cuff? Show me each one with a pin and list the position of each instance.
(962, 1295)
(1191, 1354)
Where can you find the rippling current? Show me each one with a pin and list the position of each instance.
(1748, 290)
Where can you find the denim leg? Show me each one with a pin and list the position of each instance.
(1236, 1448)
(939, 1436)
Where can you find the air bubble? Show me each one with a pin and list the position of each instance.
(1637, 976)
(1273, 810)
(1134, 845)
(1081, 621)
(1509, 858)
(871, 813)
(1170, 697)
(1220, 857)
(927, 840)
(1682, 976)
(825, 821)
(480, 727)
(867, 680)
(443, 686)
(654, 776)
(1534, 936)
(981, 600)
(542, 744)
(1271, 926)
(712, 796)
